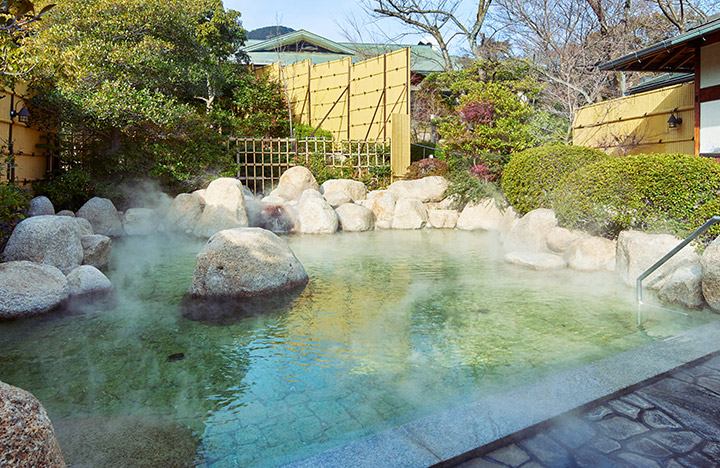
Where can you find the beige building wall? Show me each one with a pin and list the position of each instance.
(638, 123)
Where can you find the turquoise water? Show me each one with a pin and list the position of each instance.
(393, 326)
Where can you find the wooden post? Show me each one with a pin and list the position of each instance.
(400, 145)
(697, 101)
(349, 72)
(384, 100)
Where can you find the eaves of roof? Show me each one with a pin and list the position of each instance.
(301, 35)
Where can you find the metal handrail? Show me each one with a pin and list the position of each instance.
(659, 263)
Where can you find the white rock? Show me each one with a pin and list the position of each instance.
(140, 222)
(86, 279)
(529, 234)
(336, 198)
(559, 239)
(28, 289)
(294, 182)
(201, 193)
(591, 254)
(536, 260)
(185, 211)
(710, 263)
(103, 217)
(96, 250)
(684, 287)
(442, 219)
(382, 204)
(245, 262)
(315, 215)
(40, 206)
(354, 189)
(410, 213)
(427, 189)
(509, 220)
(354, 218)
(484, 216)
(224, 207)
(50, 240)
(637, 251)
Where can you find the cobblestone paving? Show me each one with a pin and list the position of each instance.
(673, 422)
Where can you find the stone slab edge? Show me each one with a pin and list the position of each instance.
(450, 434)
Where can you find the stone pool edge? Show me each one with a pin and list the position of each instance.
(449, 435)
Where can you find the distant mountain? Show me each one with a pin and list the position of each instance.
(268, 32)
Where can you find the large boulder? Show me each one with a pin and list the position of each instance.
(382, 204)
(27, 437)
(355, 189)
(354, 218)
(509, 220)
(224, 207)
(684, 287)
(51, 240)
(637, 251)
(442, 219)
(87, 280)
(65, 213)
(83, 226)
(529, 234)
(559, 239)
(591, 254)
(427, 189)
(484, 216)
(40, 206)
(140, 222)
(294, 182)
(710, 263)
(245, 262)
(28, 289)
(315, 215)
(103, 217)
(185, 211)
(410, 213)
(96, 250)
(336, 198)
(536, 260)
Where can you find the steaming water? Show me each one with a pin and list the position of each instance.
(393, 326)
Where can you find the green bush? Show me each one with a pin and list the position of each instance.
(530, 176)
(651, 192)
(68, 189)
(427, 167)
(14, 202)
(304, 131)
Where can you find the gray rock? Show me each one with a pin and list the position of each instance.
(559, 239)
(684, 286)
(28, 289)
(529, 234)
(354, 189)
(245, 262)
(484, 216)
(140, 222)
(65, 213)
(85, 280)
(442, 219)
(294, 182)
(355, 218)
(83, 226)
(710, 263)
(103, 217)
(315, 215)
(224, 207)
(427, 189)
(591, 254)
(96, 250)
(40, 206)
(536, 260)
(410, 213)
(27, 437)
(50, 240)
(185, 211)
(637, 251)
(336, 198)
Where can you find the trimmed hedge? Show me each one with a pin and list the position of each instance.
(530, 176)
(651, 192)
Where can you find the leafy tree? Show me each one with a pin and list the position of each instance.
(17, 18)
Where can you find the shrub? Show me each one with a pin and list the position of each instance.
(427, 167)
(13, 206)
(68, 189)
(651, 192)
(530, 176)
(304, 131)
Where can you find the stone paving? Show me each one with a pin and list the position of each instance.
(671, 421)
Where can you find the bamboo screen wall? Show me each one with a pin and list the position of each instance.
(354, 102)
(638, 123)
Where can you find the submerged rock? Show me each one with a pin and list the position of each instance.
(50, 240)
(294, 182)
(224, 207)
(27, 437)
(103, 217)
(245, 262)
(536, 260)
(40, 206)
(28, 289)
